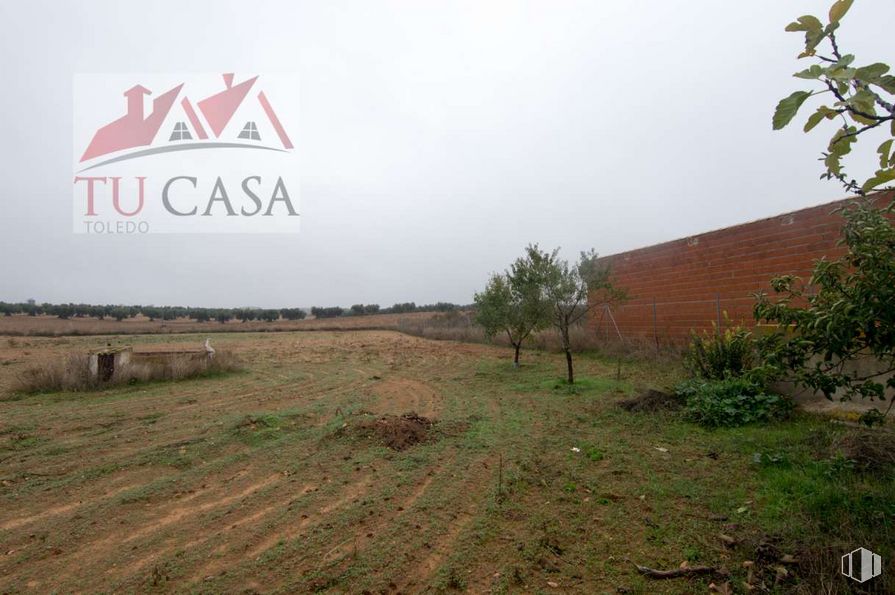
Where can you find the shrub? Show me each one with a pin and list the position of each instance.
(841, 315)
(731, 402)
(71, 373)
(717, 356)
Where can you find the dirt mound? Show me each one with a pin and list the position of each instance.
(395, 431)
(652, 400)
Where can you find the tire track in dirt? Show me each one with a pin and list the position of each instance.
(63, 508)
(403, 394)
(15, 523)
(81, 500)
(352, 492)
(340, 556)
(105, 552)
(362, 539)
(180, 512)
(250, 518)
(422, 572)
(338, 559)
(99, 452)
(397, 395)
(257, 543)
(159, 403)
(227, 534)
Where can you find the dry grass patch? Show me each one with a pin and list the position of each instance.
(652, 400)
(72, 373)
(869, 450)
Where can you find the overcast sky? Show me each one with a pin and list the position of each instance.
(437, 138)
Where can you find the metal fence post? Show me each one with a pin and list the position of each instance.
(605, 310)
(718, 307)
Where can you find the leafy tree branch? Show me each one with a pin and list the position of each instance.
(863, 100)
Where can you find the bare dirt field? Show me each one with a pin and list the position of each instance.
(267, 480)
(53, 326)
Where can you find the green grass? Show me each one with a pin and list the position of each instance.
(806, 490)
(22, 442)
(773, 481)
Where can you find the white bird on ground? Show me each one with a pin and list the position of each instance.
(209, 350)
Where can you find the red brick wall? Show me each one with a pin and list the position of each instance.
(690, 278)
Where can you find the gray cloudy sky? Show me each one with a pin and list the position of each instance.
(437, 138)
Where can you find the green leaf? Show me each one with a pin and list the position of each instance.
(788, 107)
(864, 101)
(841, 74)
(884, 150)
(814, 31)
(861, 119)
(814, 72)
(840, 145)
(838, 10)
(833, 162)
(887, 82)
(881, 177)
(813, 39)
(815, 118)
(805, 23)
(871, 73)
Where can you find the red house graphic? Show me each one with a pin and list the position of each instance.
(135, 129)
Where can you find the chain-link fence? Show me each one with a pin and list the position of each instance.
(667, 323)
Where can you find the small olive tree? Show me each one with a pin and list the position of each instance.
(571, 291)
(512, 303)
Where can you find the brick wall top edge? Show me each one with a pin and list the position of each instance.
(821, 211)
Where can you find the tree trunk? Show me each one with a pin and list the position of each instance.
(516, 358)
(569, 366)
(567, 347)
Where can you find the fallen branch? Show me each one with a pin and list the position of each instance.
(679, 572)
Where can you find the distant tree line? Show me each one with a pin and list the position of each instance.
(119, 312)
(366, 309)
(222, 315)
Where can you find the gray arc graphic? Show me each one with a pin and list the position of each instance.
(184, 147)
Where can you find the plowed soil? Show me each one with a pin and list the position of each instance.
(249, 483)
